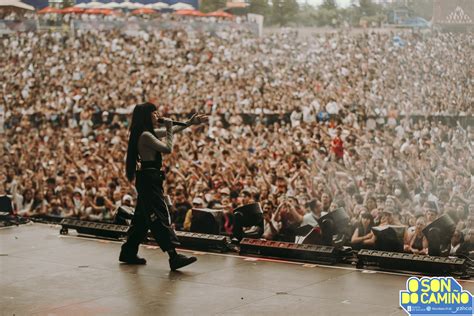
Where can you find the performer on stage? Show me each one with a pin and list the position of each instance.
(151, 211)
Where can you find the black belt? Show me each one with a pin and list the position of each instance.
(145, 171)
(150, 165)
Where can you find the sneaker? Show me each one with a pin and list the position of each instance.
(131, 259)
(181, 261)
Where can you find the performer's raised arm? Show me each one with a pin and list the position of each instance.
(196, 119)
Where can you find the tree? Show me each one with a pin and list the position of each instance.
(307, 15)
(423, 8)
(284, 11)
(368, 8)
(259, 7)
(291, 8)
(212, 5)
(327, 17)
(329, 5)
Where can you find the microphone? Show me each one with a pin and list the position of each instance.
(161, 121)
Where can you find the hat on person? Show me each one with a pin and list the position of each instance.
(218, 205)
(225, 191)
(77, 191)
(127, 197)
(198, 200)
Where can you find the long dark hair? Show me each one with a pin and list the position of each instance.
(141, 122)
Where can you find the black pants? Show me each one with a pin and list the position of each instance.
(151, 213)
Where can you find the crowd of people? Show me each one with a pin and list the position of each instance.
(343, 134)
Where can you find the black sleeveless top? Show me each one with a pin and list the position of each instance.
(363, 231)
(418, 242)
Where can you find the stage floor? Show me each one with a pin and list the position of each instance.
(44, 273)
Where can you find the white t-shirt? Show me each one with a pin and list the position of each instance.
(295, 118)
(311, 219)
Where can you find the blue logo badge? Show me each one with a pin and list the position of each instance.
(443, 295)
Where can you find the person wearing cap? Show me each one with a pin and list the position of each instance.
(386, 218)
(197, 203)
(127, 200)
(151, 212)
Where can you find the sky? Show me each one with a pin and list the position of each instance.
(340, 3)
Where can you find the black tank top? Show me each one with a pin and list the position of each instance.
(418, 242)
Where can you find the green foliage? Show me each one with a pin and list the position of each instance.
(329, 5)
(307, 16)
(422, 8)
(368, 8)
(260, 7)
(284, 11)
(327, 17)
(212, 5)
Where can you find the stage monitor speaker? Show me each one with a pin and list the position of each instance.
(207, 221)
(389, 237)
(334, 223)
(252, 214)
(200, 241)
(6, 206)
(412, 262)
(94, 228)
(249, 215)
(439, 234)
(292, 251)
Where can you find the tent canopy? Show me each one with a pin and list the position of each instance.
(143, 11)
(221, 14)
(182, 6)
(16, 4)
(95, 4)
(190, 12)
(158, 5)
(49, 10)
(112, 5)
(131, 5)
(72, 10)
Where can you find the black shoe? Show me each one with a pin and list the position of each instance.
(180, 261)
(131, 259)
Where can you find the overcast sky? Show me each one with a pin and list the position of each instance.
(341, 3)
